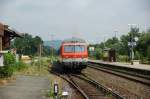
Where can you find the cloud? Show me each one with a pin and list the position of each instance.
(89, 18)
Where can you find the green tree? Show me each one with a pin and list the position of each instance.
(143, 44)
(134, 32)
(98, 53)
(110, 42)
(148, 53)
(27, 45)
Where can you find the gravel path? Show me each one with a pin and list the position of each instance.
(25, 87)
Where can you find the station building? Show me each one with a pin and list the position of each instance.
(6, 35)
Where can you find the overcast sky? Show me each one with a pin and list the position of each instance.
(89, 19)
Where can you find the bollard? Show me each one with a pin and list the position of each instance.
(56, 90)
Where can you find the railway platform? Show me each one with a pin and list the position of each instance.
(125, 65)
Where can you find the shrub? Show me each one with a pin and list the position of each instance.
(10, 66)
(148, 53)
(19, 66)
(6, 71)
(9, 59)
(144, 60)
(122, 58)
(98, 53)
(137, 55)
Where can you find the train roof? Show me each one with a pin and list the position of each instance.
(74, 40)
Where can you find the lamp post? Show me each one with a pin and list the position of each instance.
(115, 33)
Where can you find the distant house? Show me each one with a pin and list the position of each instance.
(109, 54)
(6, 35)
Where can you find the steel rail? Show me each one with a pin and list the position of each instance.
(99, 86)
(70, 81)
(132, 71)
(123, 74)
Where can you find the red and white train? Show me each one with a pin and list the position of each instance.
(74, 54)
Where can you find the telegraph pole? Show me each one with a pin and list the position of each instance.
(52, 49)
(104, 41)
(116, 33)
(40, 52)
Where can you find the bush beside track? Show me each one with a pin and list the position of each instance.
(10, 66)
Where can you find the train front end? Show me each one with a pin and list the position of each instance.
(74, 55)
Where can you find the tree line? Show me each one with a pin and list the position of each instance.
(29, 45)
(122, 47)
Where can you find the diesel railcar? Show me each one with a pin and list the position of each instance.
(74, 54)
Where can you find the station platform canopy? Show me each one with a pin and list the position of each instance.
(6, 35)
(11, 32)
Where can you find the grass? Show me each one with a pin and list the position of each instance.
(50, 92)
(35, 69)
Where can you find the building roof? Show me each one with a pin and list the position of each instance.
(5, 29)
(12, 32)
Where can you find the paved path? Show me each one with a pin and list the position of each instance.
(25, 87)
(128, 65)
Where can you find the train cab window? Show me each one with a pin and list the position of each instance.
(68, 48)
(79, 48)
(74, 48)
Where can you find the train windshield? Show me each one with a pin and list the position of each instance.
(74, 48)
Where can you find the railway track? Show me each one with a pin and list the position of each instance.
(89, 88)
(144, 79)
(94, 89)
